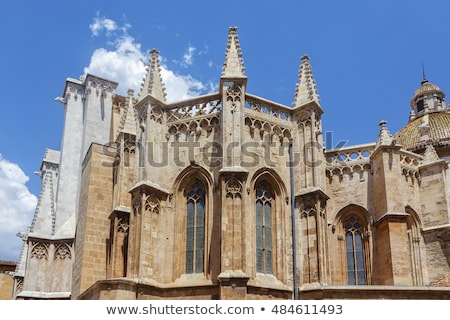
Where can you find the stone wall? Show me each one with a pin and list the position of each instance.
(6, 280)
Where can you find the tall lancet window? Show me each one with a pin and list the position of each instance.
(195, 228)
(354, 250)
(264, 199)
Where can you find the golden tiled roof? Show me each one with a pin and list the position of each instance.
(427, 88)
(439, 123)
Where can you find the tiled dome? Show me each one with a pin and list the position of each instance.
(427, 88)
(439, 123)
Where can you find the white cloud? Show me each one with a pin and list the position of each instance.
(101, 24)
(17, 207)
(125, 64)
(188, 57)
(180, 87)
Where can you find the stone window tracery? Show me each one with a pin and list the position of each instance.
(354, 250)
(195, 227)
(264, 199)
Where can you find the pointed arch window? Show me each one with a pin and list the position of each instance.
(264, 202)
(195, 228)
(414, 240)
(354, 250)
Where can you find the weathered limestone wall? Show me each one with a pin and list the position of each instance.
(93, 224)
(437, 244)
(6, 281)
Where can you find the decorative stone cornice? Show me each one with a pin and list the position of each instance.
(149, 187)
(392, 216)
(312, 192)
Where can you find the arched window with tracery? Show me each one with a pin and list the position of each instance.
(354, 250)
(264, 211)
(195, 227)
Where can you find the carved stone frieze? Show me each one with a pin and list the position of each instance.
(196, 109)
(195, 127)
(262, 127)
(266, 108)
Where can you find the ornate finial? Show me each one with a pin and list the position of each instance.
(430, 155)
(384, 137)
(306, 90)
(234, 64)
(152, 83)
(424, 75)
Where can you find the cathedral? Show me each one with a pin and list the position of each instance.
(229, 195)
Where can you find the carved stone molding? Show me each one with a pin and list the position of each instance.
(262, 127)
(129, 146)
(312, 202)
(156, 114)
(123, 224)
(141, 114)
(233, 96)
(19, 285)
(200, 108)
(152, 204)
(39, 251)
(233, 188)
(268, 109)
(63, 251)
(195, 127)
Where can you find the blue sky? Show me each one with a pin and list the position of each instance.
(366, 56)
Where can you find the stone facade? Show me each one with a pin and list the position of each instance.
(232, 196)
(7, 269)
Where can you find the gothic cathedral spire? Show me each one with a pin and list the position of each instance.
(306, 90)
(152, 83)
(233, 66)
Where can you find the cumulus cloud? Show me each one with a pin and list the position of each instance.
(125, 63)
(101, 24)
(180, 87)
(17, 206)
